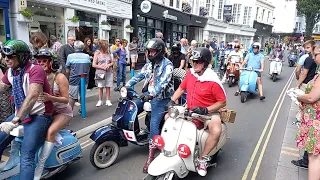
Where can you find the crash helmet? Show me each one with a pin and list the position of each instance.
(176, 48)
(53, 64)
(158, 45)
(256, 45)
(18, 48)
(201, 53)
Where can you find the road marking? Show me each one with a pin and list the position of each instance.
(256, 170)
(89, 144)
(291, 149)
(290, 153)
(253, 156)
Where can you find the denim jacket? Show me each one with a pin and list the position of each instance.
(163, 82)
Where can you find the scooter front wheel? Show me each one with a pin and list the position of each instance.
(104, 154)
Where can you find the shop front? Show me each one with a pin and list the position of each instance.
(263, 32)
(197, 24)
(4, 21)
(228, 32)
(153, 18)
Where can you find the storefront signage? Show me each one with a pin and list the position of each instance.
(227, 12)
(96, 4)
(198, 21)
(145, 6)
(166, 15)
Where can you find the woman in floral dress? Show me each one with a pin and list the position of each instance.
(308, 136)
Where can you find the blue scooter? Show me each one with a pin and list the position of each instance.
(248, 83)
(124, 128)
(61, 156)
(292, 59)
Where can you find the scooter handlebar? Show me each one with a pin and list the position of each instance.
(199, 116)
(250, 69)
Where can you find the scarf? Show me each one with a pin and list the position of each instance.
(18, 93)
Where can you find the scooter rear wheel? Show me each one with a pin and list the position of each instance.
(274, 77)
(243, 96)
(104, 154)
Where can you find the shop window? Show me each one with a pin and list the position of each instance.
(87, 17)
(150, 22)
(150, 34)
(184, 28)
(141, 19)
(174, 27)
(180, 28)
(158, 24)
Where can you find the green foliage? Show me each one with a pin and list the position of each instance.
(75, 19)
(27, 13)
(130, 27)
(104, 22)
(311, 11)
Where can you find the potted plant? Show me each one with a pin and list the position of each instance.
(186, 7)
(73, 22)
(203, 11)
(75, 19)
(129, 28)
(26, 15)
(105, 25)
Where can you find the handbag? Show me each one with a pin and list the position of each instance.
(100, 76)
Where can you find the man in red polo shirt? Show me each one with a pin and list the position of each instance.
(205, 96)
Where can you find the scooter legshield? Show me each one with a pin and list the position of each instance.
(248, 81)
(160, 166)
(109, 133)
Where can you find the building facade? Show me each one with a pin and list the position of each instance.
(4, 21)
(80, 18)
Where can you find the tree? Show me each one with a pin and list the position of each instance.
(311, 11)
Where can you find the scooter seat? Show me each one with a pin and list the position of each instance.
(198, 124)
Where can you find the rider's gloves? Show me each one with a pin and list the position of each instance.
(171, 103)
(146, 97)
(7, 127)
(200, 110)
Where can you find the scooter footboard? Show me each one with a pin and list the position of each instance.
(109, 133)
(160, 166)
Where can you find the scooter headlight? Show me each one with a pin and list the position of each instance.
(123, 92)
(173, 112)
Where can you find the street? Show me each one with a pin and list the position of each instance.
(253, 147)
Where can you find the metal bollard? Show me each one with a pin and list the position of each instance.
(83, 95)
(132, 74)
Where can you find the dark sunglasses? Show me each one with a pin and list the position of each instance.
(8, 56)
(42, 61)
(198, 62)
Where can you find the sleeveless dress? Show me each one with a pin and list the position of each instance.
(61, 108)
(108, 82)
(308, 136)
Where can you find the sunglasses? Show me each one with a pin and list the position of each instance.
(8, 56)
(42, 61)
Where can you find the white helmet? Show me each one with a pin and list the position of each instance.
(256, 44)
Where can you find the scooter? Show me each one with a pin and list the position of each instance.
(181, 141)
(233, 73)
(292, 59)
(248, 83)
(124, 128)
(66, 152)
(275, 68)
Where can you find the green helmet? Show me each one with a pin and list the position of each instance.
(18, 48)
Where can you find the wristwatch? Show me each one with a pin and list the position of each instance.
(16, 119)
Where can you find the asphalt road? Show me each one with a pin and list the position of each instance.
(243, 145)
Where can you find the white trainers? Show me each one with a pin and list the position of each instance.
(100, 103)
(77, 104)
(201, 165)
(108, 103)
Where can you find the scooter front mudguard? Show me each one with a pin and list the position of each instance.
(109, 133)
(160, 166)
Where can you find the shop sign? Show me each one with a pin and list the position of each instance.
(97, 4)
(166, 15)
(227, 12)
(145, 6)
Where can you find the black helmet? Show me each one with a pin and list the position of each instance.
(46, 52)
(201, 53)
(158, 45)
(176, 48)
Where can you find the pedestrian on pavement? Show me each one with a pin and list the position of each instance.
(133, 49)
(54, 43)
(307, 74)
(88, 49)
(184, 45)
(102, 62)
(193, 46)
(308, 134)
(121, 52)
(95, 45)
(115, 59)
(62, 112)
(64, 52)
(38, 40)
(78, 63)
(307, 48)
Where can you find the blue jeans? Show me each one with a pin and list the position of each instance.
(158, 108)
(121, 74)
(5, 139)
(34, 137)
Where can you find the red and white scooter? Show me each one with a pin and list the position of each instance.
(181, 141)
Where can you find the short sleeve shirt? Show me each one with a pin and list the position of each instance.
(235, 56)
(78, 63)
(254, 60)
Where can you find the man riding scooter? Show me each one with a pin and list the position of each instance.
(158, 88)
(205, 96)
(234, 59)
(255, 60)
(28, 81)
(278, 53)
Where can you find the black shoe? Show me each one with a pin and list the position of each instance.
(300, 163)
(237, 93)
(262, 98)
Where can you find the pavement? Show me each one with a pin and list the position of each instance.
(254, 149)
